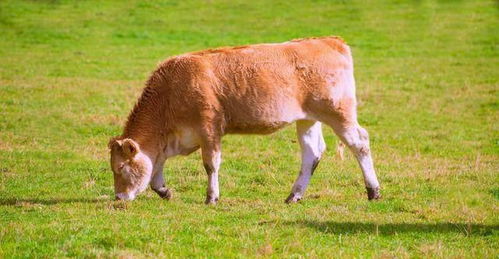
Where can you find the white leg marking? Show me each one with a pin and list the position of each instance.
(312, 146)
(212, 163)
(357, 139)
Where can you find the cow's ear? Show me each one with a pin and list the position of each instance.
(130, 148)
(114, 141)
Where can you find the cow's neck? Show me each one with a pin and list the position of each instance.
(151, 126)
(148, 134)
(146, 123)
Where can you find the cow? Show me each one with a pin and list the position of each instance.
(192, 100)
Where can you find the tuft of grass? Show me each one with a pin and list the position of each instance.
(428, 84)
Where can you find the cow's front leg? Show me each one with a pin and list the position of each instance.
(211, 161)
(158, 185)
(312, 146)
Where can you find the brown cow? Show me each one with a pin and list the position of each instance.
(190, 101)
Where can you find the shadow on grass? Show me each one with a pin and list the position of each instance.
(34, 201)
(387, 229)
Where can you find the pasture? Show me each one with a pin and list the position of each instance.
(427, 80)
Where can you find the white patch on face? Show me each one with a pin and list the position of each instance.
(147, 176)
(125, 196)
(126, 172)
(140, 184)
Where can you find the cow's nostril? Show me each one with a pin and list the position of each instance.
(117, 198)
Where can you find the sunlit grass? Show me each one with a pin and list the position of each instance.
(427, 80)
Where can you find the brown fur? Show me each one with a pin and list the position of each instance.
(250, 89)
(239, 88)
(124, 152)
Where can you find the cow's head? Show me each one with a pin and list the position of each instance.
(132, 168)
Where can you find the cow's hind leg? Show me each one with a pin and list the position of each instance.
(357, 140)
(211, 160)
(312, 146)
(340, 112)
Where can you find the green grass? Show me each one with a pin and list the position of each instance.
(428, 81)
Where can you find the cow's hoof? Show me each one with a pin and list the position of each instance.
(292, 198)
(211, 201)
(373, 193)
(164, 193)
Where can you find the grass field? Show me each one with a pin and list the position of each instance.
(427, 76)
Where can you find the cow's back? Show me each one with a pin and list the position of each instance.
(250, 89)
(264, 87)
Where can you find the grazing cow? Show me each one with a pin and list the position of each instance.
(190, 101)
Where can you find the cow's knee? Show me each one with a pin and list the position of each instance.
(357, 139)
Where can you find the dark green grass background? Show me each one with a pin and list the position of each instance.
(427, 78)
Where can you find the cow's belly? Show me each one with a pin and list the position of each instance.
(255, 127)
(262, 119)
